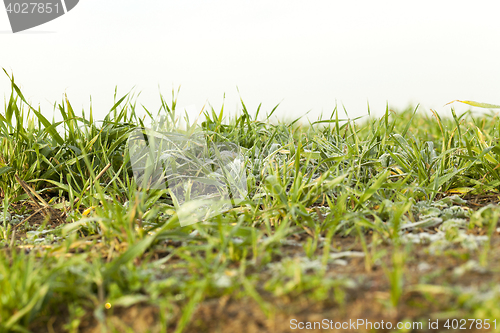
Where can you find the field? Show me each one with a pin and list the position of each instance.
(389, 220)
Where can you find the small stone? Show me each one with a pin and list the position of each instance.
(423, 267)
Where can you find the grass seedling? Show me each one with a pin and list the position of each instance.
(414, 194)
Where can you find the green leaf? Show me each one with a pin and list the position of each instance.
(377, 184)
(138, 248)
(5, 169)
(129, 300)
(477, 104)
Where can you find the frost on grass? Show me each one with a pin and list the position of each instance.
(449, 225)
(441, 241)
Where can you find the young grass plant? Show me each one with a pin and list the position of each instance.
(315, 191)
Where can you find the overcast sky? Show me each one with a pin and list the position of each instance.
(308, 55)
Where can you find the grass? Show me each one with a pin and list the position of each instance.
(391, 218)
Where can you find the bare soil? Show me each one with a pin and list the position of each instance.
(369, 301)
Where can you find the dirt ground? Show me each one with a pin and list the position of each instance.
(368, 301)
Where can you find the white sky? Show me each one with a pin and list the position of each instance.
(306, 54)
